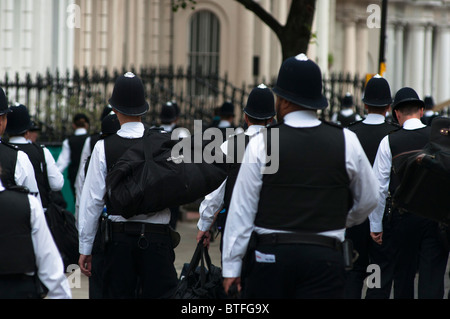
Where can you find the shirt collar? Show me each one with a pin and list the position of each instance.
(131, 130)
(302, 119)
(224, 124)
(413, 124)
(18, 140)
(253, 129)
(80, 131)
(373, 119)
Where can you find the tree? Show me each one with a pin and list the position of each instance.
(294, 36)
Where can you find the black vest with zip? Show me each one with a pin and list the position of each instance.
(76, 143)
(8, 160)
(310, 191)
(404, 143)
(37, 158)
(370, 136)
(236, 146)
(16, 246)
(115, 147)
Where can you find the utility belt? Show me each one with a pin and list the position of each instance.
(299, 238)
(109, 228)
(345, 247)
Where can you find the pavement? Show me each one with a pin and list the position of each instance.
(183, 254)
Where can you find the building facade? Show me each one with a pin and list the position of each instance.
(222, 37)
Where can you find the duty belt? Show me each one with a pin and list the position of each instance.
(299, 238)
(138, 228)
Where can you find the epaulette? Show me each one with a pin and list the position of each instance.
(12, 146)
(332, 124)
(17, 188)
(356, 122)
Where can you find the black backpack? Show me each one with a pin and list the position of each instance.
(147, 179)
(425, 177)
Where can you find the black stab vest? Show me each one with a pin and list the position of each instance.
(310, 191)
(37, 158)
(239, 144)
(115, 147)
(16, 246)
(8, 160)
(401, 143)
(370, 136)
(76, 143)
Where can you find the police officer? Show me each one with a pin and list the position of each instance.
(139, 259)
(299, 212)
(429, 114)
(72, 147)
(17, 168)
(48, 176)
(370, 131)
(347, 114)
(415, 239)
(258, 113)
(28, 253)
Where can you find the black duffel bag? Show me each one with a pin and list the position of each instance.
(200, 282)
(61, 223)
(147, 179)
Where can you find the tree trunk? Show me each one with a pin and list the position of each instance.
(295, 35)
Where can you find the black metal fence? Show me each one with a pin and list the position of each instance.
(54, 98)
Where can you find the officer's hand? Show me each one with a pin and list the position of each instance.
(207, 236)
(377, 237)
(228, 282)
(85, 263)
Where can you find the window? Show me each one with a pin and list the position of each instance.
(204, 52)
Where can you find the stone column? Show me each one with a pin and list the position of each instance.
(442, 63)
(427, 85)
(349, 47)
(415, 57)
(398, 59)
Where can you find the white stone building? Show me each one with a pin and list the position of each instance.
(222, 36)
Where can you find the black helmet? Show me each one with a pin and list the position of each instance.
(128, 96)
(429, 102)
(347, 100)
(260, 103)
(110, 125)
(377, 92)
(4, 107)
(227, 108)
(168, 113)
(19, 120)
(300, 82)
(403, 96)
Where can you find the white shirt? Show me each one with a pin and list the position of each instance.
(50, 267)
(55, 178)
(79, 180)
(345, 112)
(215, 200)
(24, 174)
(94, 189)
(245, 198)
(374, 119)
(382, 169)
(64, 157)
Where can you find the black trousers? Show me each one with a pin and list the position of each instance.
(419, 249)
(18, 287)
(354, 278)
(136, 267)
(294, 271)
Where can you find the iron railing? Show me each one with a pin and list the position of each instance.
(54, 98)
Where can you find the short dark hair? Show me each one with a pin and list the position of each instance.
(80, 120)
